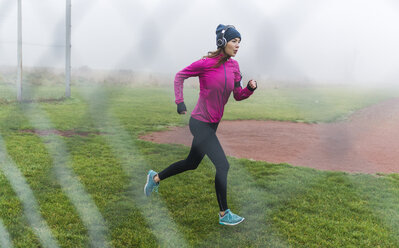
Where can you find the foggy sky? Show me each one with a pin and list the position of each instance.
(325, 41)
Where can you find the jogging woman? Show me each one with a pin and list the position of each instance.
(219, 75)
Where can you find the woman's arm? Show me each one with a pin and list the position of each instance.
(193, 70)
(238, 92)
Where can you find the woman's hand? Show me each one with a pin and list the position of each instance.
(181, 108)
(252, 85)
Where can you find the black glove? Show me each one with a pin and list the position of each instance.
(249, 87)
(181, 107)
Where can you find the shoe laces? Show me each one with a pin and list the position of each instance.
(227, 215)
(232, 216)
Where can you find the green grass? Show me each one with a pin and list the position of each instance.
(8, 93)
(307, 104)
(283, 205)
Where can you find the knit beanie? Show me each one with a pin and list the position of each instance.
(229, 34)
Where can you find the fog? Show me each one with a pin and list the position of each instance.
(323, 41)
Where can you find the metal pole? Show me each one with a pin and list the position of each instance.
(19, 54)
(68, 50)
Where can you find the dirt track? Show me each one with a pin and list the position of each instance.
(367, 142)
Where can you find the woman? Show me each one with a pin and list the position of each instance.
(219, 75)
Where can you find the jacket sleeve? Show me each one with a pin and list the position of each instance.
(193, 70)
(238, 92)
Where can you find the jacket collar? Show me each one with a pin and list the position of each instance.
(221, 55)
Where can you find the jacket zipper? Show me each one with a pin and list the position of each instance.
(225, 81)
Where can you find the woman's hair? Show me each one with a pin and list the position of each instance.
(216, 53)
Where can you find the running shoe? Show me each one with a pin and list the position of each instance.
(151, 185)
(230, 219)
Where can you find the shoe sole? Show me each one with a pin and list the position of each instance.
(145, 186)
(228, 224)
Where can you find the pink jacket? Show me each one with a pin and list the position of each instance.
(216, 85)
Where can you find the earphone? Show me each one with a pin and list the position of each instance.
(222, 42)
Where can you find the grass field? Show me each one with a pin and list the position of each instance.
(82, 191)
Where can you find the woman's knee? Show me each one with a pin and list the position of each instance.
(191, 164)
(223, 168)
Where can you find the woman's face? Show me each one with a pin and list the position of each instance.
(232, 46)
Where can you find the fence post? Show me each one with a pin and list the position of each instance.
(19, 54)
(68, 50)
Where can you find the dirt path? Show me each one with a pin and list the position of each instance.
(367, 142)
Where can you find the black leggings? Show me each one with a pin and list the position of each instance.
(205, 142)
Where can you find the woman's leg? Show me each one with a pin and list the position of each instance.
(192, 161)
(200, 131)
(205, 142)
(215, 152)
